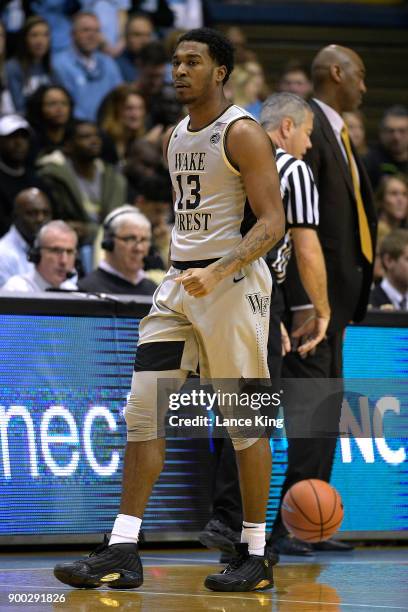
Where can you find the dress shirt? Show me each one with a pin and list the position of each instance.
(395, 296)
(13, 255)
(337, 123)
(33, 282)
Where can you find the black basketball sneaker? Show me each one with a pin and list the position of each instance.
(244, 573)
(217, 534)
(117, 566)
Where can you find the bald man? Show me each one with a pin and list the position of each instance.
(347, 234)
(31, 210)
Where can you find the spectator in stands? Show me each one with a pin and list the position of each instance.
(57, 14)
(49, 111)
(139, 31)
(31, 66)
(31, 210)
(355, 123)
(159, 12)
(53, 256)
(86, 73)
(13, 14)
(390, 155)
(295, 79)
(145, 160)
(15, 173)
(239, 41)
(256, 70)
(161, 103)
(152, 62)
(243, 88)
(6, 101)
(166, 109)
(392, 292)
(123, 118)
(392, 203)
(126, 242)
(154, 201)
(188, 14)
(83, 186)
(112, 15)
(392, 206)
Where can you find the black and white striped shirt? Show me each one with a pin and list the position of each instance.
(301, 203)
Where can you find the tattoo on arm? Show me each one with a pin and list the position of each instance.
(256, 243)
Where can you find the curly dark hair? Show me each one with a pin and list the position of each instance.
(153, 54)
(34, 112)
(219, 46)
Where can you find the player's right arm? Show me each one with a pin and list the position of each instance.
(166, 140)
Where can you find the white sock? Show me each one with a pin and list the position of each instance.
(125, 529)
(253, 534)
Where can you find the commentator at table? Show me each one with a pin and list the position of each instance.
(126, 242)
(53, 256)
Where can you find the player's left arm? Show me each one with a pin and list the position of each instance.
(249, 149)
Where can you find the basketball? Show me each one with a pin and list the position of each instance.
(312, 510)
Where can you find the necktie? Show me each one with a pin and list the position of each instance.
(365, 236)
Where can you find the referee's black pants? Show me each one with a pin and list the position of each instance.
(311, 457)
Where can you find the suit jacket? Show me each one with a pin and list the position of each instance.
(379, 298)
(349, 273)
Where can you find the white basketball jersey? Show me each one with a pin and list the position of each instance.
(211, 212)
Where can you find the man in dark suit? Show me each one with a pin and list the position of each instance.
(347, 234)
(392, 292)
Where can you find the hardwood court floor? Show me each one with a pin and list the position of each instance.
(372, 579)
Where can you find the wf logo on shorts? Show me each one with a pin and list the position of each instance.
(259, 303)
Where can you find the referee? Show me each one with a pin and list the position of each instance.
(288, 121)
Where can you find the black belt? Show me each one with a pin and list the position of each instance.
(201, 263)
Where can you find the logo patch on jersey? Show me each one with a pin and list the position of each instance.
(215, 138)
(259, 303)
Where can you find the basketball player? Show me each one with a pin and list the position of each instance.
(212, 308)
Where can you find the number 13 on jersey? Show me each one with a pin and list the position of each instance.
(189, 196)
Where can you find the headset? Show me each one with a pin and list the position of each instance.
(34, 256)
(108, 243)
